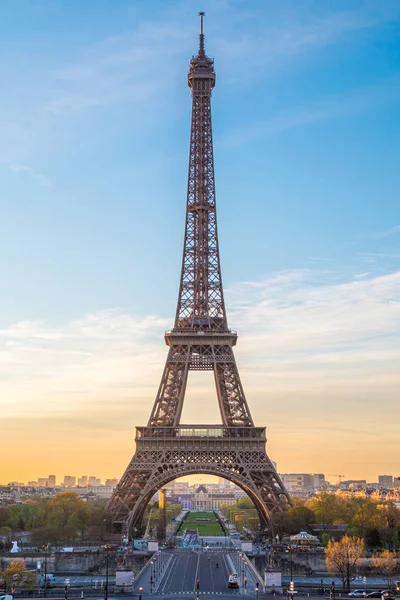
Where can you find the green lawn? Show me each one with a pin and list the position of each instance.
(208, 527)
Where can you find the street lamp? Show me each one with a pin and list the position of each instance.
(291, 587)
(155, 567)
(140, 593)
(151, 577)
(244, 578)
(107, 549)
(45, 548)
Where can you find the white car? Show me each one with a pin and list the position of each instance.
(8, 597)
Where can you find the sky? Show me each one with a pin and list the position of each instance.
(94, 134)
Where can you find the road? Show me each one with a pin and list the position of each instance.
(186, 568)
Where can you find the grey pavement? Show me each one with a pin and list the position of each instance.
(188, 567)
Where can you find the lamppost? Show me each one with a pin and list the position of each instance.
(45, 548)
(140, 593)
(107, 549)
(67, 582)
(291, 587)
(151, 577)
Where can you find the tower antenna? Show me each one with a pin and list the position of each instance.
(201, 47)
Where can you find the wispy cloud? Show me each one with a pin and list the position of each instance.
(32, 173)
(308, 346)
(298, 320)
(378, 235)
(355, 102)
(289, 31)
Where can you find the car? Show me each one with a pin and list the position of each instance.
(233, 581)
(387, 594)
(7, 597)
(357, 594)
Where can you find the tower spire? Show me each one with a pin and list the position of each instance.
(201, 44)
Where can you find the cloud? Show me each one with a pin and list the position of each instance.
(299, 323)
(286, 32)
(323, 351)
(378, 235)
(354, 102)
(35, 175)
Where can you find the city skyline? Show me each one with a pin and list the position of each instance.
(310, 261)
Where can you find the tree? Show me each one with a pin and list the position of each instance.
(301, 518)
(328, 509)
(387, 565)
(4, 516)
(342, 558)
(245, 503)
(63, 506)
(366, 516)
(16, 575)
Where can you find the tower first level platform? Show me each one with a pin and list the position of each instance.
(166, 453)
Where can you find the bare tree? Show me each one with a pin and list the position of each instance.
(387, 565)
(342, 558)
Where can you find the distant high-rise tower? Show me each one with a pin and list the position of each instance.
(385, 481)
(69, 480)
(202, 341)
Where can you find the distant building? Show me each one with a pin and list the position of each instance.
(396, 482)
(83, 481)
(203, 500)
(184, 499)
(113, 482)
(52, 481)
(319, 482)
(385, 481)
(7, 494)
(43, 482)
(101, 491)
(69, 481)
(301, 480)
(354, 484)
(93, 481)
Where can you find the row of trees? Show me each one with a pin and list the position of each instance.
(376, 523)
(66, 518)
(57, 521)
(343, 558)
(153, 516)
(242, 514)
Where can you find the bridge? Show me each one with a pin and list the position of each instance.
(194, 572)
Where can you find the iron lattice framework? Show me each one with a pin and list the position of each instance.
(200, 340)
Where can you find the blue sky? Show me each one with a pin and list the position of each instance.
(94, 129)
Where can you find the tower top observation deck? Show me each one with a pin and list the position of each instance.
(201, 66)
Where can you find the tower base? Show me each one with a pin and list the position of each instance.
(166, 453)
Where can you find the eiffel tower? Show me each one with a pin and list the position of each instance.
(200, 340)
